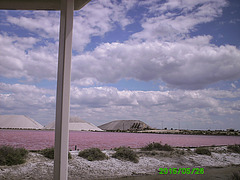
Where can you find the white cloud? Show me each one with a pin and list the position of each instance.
(174, 19)
(85, 82)
(95, 19)
(19, 58)
(195, 109)
(189, 64)
(11, 64)
(98, 18)
(28, 100)
(43, 23)
(233, 85)
(101, 104)
(162, 51)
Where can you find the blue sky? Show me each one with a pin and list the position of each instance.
(152, 60)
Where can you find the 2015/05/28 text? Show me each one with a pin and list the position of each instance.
(181, 170)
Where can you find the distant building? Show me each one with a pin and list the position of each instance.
(125, 125)
(76, 124)
(18, 122)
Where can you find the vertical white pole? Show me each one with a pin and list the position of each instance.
(63, 91)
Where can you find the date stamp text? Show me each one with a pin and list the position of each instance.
(181, 170)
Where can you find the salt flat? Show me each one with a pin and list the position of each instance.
(39, 167)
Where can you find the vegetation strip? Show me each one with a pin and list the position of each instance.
(92, 154)
(124, 153)
(12, 156)
(49, 153)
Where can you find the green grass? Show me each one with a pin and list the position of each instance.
(234, 148)
(124, 153)
(203, 151)
(49, 153)
(92, 154)
(157, 146)
(12, 156)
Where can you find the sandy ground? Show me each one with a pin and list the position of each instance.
(220, 165)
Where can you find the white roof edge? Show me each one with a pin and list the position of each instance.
(38, 4)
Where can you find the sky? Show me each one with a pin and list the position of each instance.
(169, 63)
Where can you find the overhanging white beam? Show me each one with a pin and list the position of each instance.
(63, 91)
(38, 4)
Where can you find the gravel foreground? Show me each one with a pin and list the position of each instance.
(221, 165)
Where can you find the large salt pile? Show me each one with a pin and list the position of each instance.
(77, 124)
(124, 125)
(18, 122)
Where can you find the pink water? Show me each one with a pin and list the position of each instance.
(34, 140)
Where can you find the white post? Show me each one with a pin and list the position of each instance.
(63, 91)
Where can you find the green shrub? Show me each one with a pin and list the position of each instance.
(92, 154)
(49, 153)
(179, 152)
(69, 155)
(12, 156)
(203, 151)
(157, 146)
(234, 148)
(124, 153)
